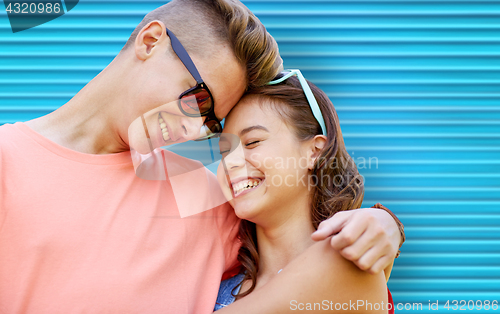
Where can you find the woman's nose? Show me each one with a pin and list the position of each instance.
(235, 159)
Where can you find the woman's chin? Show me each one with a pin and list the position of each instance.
(243, 210)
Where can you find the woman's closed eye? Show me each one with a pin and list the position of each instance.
(251, 143)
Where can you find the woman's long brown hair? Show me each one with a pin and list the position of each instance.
(337, 185)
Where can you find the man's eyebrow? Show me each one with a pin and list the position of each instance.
(251, 128)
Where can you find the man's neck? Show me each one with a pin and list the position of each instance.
(87, 123)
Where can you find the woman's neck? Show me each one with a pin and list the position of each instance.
(281, 243)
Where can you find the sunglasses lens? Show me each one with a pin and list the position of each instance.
(210, 129)
(214, 126)
(196, 101)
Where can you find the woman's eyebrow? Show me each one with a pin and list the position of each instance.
(251, 128)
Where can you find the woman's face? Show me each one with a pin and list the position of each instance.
(264, 167)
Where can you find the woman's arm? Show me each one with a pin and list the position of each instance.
(319, 277)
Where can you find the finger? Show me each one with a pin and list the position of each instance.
(330, 226)
(368, 260)
(381, 264)
(350, 233)
(364, 242)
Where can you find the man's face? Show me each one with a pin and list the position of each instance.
(160, 119)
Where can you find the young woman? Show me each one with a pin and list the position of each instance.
(285, 169)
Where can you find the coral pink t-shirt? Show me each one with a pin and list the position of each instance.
(81, 233)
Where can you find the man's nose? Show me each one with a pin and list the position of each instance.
(191, 127)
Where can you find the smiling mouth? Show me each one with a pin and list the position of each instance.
(245, 185)
(163, 127)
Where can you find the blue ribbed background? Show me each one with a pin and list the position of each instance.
(416, 85)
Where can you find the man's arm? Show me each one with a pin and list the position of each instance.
(310, 278)
(369, 237)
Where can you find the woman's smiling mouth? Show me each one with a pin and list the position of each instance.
(241, 187)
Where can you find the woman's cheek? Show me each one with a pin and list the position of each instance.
(256, 160)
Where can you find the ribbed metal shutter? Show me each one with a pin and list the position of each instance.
(417, 88)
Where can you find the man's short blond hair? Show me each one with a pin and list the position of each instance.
(203, 26)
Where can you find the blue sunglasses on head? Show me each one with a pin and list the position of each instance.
(309, 95)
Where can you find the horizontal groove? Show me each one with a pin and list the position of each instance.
(50, 40)
(36, 95)
(432, 175)
(27, 109)
(51, 68)
(405, 82)
(386, 39)
(424, 148)
(462, 228)
(301, 26)
(334, 95)
(421, 135)
(42, 82)
(304, 68)
(418, 108)
(445, 280)
(333, 82)
(450, 255)
(444, 216)
(317, 81)
(434, 189)
(376, 13)
(454, 241)
(437, 202)
(414, 95)
(451, 267)
(438, 161)
(401, 68)
(422, 54)
(422, 122)
(271, 26)
(465, 229)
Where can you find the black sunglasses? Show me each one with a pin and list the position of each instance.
(196, 101)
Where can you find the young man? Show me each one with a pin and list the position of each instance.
(80, 232)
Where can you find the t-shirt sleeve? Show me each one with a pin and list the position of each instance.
(228, 224)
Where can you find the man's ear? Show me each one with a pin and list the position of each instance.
(316, 146)
(148, 38)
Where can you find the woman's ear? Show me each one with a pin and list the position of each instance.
(148, 38)
(316, 146)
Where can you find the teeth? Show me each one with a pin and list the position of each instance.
(245, 185)
(164, 129)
